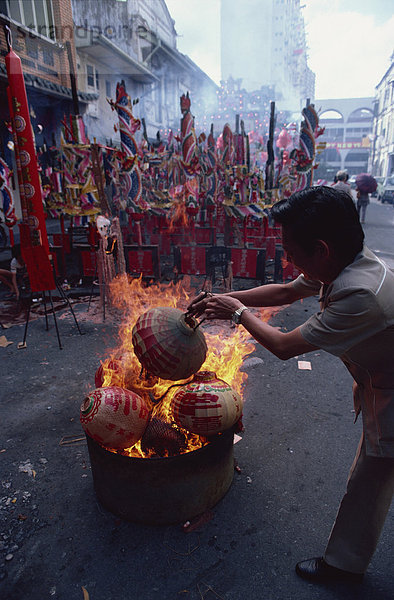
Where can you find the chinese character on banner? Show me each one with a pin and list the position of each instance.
(34, 240)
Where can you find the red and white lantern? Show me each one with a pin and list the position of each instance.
(167, 345)
(114, 417)
(206, 405)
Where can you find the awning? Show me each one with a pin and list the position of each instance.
(102, 50)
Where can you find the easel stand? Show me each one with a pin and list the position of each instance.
(43, 293)
(102, 294)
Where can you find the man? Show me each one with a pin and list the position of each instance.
(341, 183)
(17, 267)
(322, 236)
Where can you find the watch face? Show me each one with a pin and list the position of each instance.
(236, 316)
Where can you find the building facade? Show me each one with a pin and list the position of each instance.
(263, 43)
(382, 152)
(134, 40)
(348, 126)
(40, 33)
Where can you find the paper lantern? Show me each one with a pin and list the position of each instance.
(168, 345)
(206, 405)
(114, 417)
(112, 368)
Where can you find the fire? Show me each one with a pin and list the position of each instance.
(227, 348)
(178, 216)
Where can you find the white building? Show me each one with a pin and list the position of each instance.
(348, 129)
(382, 155)
(134, 40)
(263, 42)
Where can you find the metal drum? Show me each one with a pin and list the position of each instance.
(162, 491)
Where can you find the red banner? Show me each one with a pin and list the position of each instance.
(193, 260)
(141, 261)
(244, 262)
(34, 229)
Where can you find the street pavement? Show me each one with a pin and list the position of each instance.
(56, 541)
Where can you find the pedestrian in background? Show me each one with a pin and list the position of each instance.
(362, 203)
(341, 183)
(17, 271)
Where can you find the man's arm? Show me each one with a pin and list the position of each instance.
(283, 345)
(272, 294)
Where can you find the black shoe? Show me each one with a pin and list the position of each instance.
(318, 571)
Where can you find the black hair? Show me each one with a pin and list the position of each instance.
(322, 213)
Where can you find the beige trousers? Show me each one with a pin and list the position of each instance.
(362, 512)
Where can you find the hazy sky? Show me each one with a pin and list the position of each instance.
(350, 41)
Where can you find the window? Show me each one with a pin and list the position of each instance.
(33, 14)
(3, 7)
(93, 77)
(356, 156)
(361, 114)
(90, 75)
(47, 55)
(32, 47)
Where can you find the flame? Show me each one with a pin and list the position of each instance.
(178, 216)
(227, 347)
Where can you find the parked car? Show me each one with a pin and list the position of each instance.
(352, 182)
(387, 192)
(379, 181)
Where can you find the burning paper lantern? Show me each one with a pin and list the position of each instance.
(206, 405)
(111, 368)
(114, 417)
(167, 343)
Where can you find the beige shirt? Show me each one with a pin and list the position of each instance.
(343, 187)
(356, 323)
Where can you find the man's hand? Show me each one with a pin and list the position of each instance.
(198, 305)
(221, 307)
(218, 306)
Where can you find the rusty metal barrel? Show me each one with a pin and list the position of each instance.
(163, 491)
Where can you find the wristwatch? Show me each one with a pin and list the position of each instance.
(236, 316)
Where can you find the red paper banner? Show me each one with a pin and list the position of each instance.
(193, 260)
(244, 262)
(33, 229)
(141, 261)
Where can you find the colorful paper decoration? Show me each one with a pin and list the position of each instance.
(167, 345)
(207, 405)
(114, 417)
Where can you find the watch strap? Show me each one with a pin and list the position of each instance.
(236, 316)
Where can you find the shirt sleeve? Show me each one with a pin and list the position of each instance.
(306, 287)
(351, 316)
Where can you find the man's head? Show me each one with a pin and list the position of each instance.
(342, 176)
(322, 223)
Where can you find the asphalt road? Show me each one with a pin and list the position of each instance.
(298, 444)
